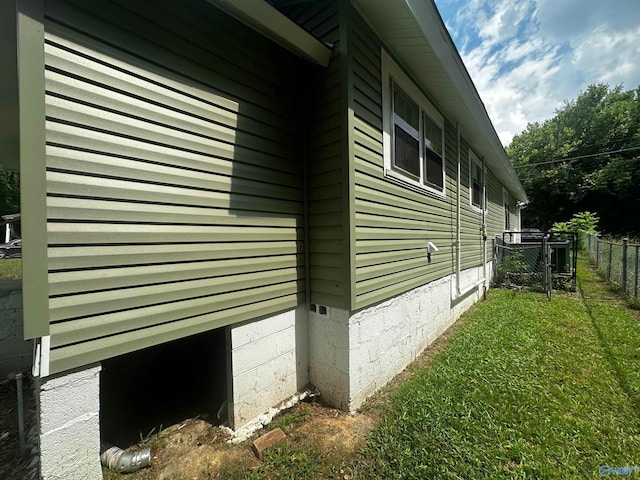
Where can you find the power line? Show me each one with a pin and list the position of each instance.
(578, 157)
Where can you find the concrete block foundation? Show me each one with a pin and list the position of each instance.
(269, 362)
(353, 355)
(69, 408)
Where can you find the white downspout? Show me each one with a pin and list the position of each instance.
(484, 207)
(458, 248)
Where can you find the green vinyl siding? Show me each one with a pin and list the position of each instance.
(471, 218)
(174, 175)
(495, 217)
(393, 222)
(326, 165)
(513, 215)
(31, 139)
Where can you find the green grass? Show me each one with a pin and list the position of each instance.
(10, 269)
(288, 462)
(527, 388)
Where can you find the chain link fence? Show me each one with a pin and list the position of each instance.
(540, 262)
(617, 261)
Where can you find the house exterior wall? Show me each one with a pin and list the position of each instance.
(393, 223)
(471, 219)
(326, 170)
(329, 355)
(352, 355)
(495, 215)
(175, 192)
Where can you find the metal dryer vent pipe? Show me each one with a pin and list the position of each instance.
(121, 461)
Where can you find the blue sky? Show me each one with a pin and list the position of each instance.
(527, 57)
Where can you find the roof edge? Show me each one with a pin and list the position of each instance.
(268, 21)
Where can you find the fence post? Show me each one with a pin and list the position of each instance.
(625, 245)
(610, 261)
(597, 253)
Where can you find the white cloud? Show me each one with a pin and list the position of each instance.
(527, 57)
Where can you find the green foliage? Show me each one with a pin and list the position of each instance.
(599, 120)
(584, 222)
(511, 267)
(9, 192)
(581, 222)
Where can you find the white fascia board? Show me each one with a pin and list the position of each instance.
(463, 103)
(268, 21)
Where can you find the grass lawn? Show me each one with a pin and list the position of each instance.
(526, 388)
(10, 268)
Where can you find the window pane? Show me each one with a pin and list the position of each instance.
(507, 222)
(434, 168)
(405, 108)
(432, 135)
(476, 194)
(407, 152)
(433, 153)
(476, 173)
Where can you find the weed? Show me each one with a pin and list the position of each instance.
(291, 418)
(146, 438)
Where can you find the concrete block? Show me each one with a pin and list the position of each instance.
(251, 355)
(252, 406)
(69, 425)
(252, 331)
(269, 362)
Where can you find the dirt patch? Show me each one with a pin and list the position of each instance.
(195, 449)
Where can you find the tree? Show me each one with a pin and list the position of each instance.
(9, 192)
(586, 158)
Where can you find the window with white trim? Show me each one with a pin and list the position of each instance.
(413, 133)
(477, 188)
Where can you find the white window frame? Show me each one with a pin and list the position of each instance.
(392, 73)
(475, 161)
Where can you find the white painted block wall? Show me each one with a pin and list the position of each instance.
(69, 426)
(352, 356)
(329, 356)
(269, 362)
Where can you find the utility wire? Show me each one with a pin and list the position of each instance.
(578, 157)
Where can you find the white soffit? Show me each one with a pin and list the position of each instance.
(268, 21)
(416, 36)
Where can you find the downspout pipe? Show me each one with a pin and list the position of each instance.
(122, 461)
(484, 227)
(458, 250)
